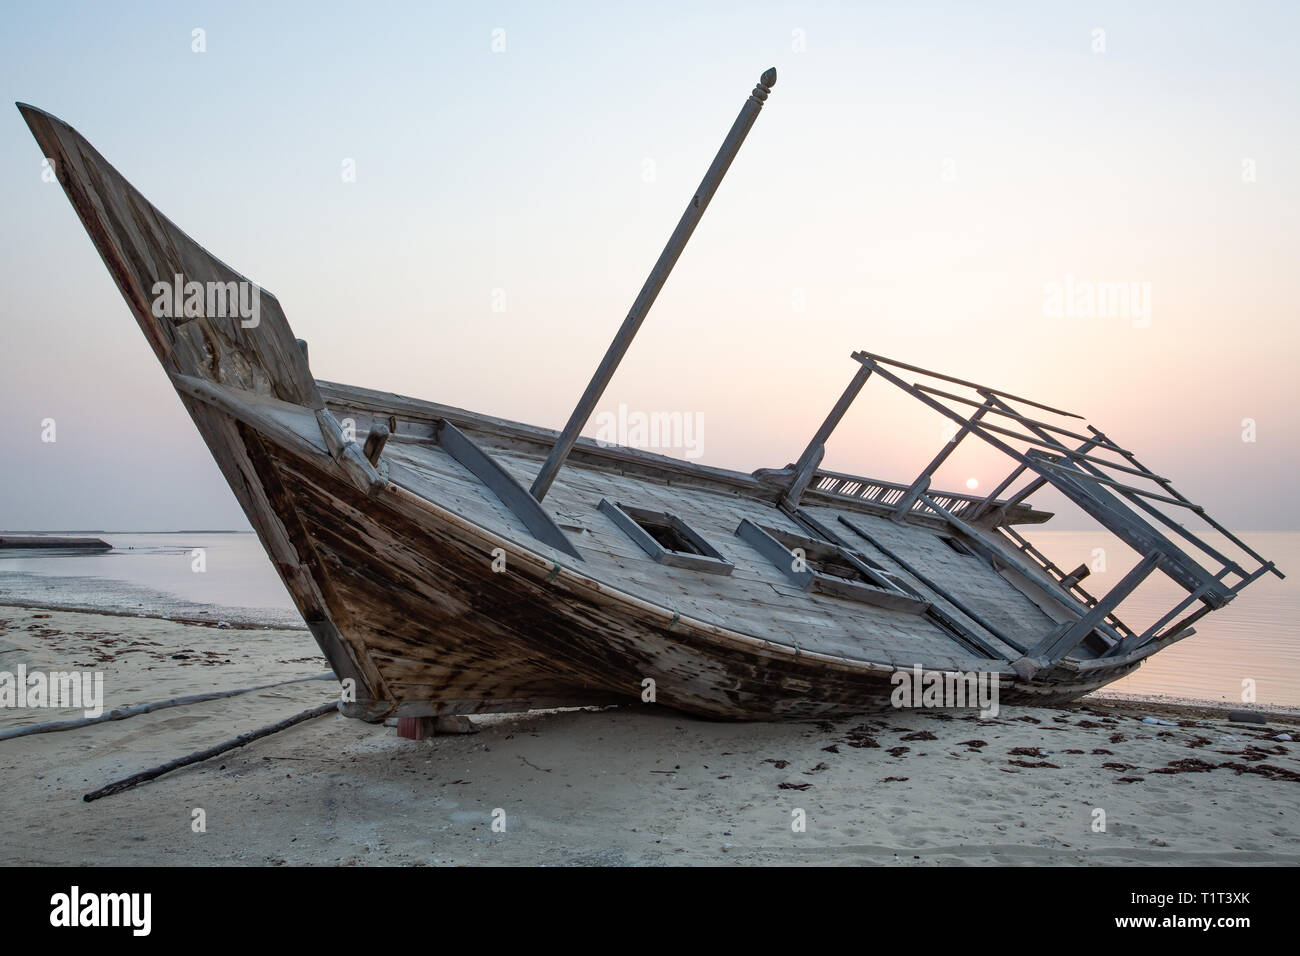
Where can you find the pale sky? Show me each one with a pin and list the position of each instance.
(918, 181)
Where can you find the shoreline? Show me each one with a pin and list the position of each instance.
(232, 622)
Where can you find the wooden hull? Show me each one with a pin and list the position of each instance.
(411, 589)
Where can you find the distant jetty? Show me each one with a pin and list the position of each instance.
(52, 543)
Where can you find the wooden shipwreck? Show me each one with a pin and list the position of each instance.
(449, 562)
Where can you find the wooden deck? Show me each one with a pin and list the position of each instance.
(756, 598)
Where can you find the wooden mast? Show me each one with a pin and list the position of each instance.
(653, 283)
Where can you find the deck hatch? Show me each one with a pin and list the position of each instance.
(666, 538)
(957, 546)
(821, 566)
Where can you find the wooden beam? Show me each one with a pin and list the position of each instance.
(945, 595)
(1007, 412)
(653, 283)
(922, 482)
(872, 357)
(992, 496)
(1104, 439)
(1047, 441)
(502, 484)
(812, 455)
(1101, 479)
(1134, 495)
(1055, 646)
(1075, 576)
(135, 710)
(126, 783)
(1136, 533)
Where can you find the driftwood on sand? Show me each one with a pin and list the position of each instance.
(137, 709)
(126, 783)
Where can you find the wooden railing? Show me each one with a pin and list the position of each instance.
(888, 493)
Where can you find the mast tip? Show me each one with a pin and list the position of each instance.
(768, 79)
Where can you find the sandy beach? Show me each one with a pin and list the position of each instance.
(634, 785)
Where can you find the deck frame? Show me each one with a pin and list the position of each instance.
(1123, 509)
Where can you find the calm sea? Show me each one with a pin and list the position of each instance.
(1255, 638)
(156, 575)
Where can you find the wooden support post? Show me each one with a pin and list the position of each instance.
(415, 728)
(992, 496)
(375, 442)
(422, 728)
(812, 455)
(653, 283)
(922, 483)
(909, 499)
(1075, 576)
(1020, 495)
(1055, 646)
